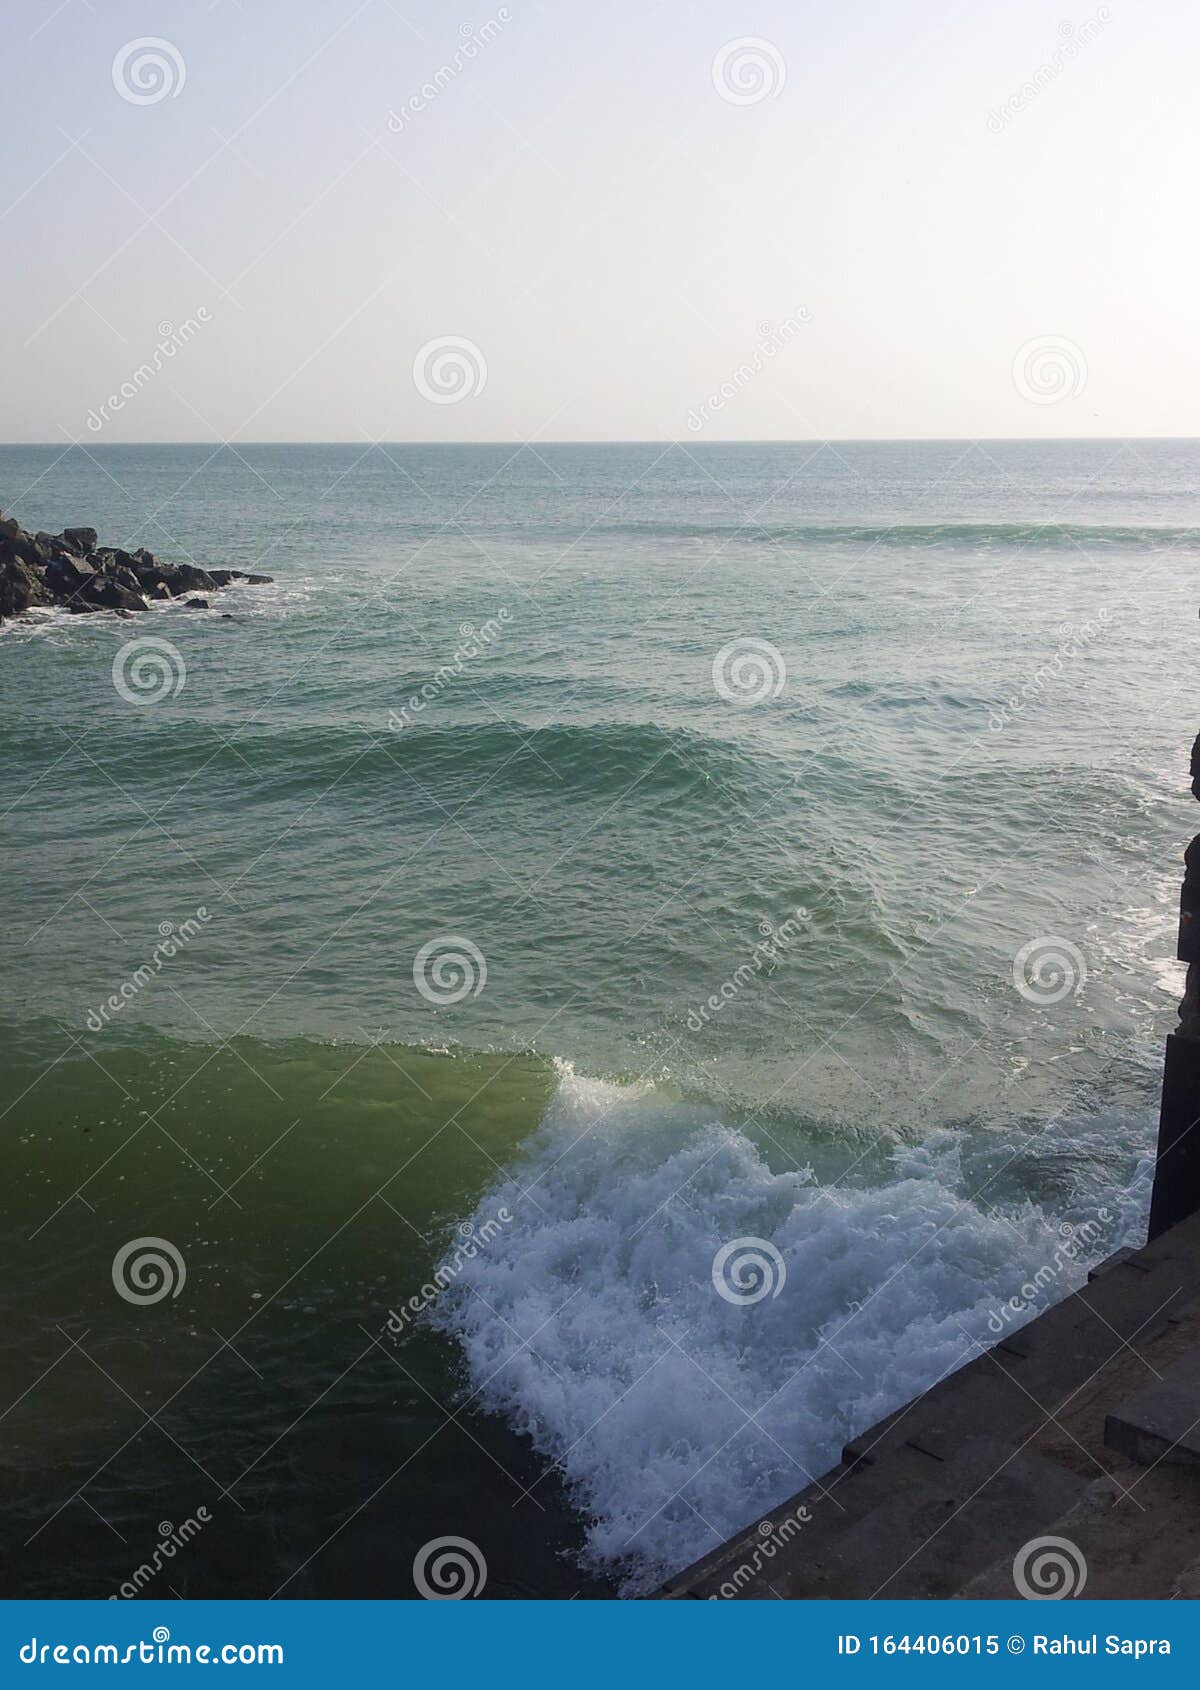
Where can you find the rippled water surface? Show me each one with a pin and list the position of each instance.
(720, 790)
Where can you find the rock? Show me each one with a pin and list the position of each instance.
(72, 570)
(19, 588)
(223, 577)
(66, 576)
(115, 555)
(193, 579)
(103, 593)
(178, 578)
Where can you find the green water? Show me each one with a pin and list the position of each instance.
(608, 837)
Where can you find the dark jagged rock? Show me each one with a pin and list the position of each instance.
(178, 578)
(72, 571)
(103, 593)
(19, 588)
(223, 577)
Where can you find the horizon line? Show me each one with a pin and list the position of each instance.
(535, 444)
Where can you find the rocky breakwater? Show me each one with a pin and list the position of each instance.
(73, 572)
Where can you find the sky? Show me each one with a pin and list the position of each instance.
(705, 219)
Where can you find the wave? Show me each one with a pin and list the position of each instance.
(594, 1327)
(589, 763)
(1041, 534)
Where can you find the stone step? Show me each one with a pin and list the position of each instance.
(1133, 1534)
(1160, 1421)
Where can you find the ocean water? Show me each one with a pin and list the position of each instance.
(580, 859)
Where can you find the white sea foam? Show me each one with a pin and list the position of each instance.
(677, 1417)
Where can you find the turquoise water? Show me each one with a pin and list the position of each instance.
(736, 924)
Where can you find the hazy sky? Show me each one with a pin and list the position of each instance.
(942, 220)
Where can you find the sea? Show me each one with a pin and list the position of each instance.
(619, 967)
